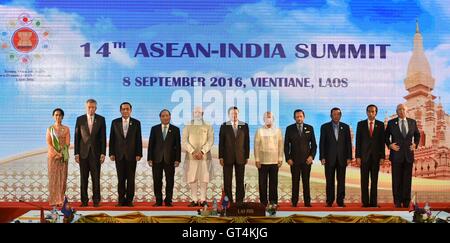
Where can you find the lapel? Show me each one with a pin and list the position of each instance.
(410, 126)
(375, 127)
(120, 128)
(130, 127)
(85, 124)
(94, 126)
(239, 128)
(366, 127)
(397, 127)
(340, 132)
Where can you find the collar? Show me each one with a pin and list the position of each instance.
(400, 119)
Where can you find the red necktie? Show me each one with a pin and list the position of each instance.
(371, 128)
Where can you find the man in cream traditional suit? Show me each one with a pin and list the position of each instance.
(197, 140)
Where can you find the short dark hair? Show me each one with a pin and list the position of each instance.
(163, 110)
(91, 101)
(60, 111)
(299, 110)
(232, 108)
(125, 103)
(372, 105)
(335, 109)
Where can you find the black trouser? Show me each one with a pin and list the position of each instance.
(300, 170)
(126, 172)
(239, 170)
(269, 172)
(157, 171)
(91, 165)
(369, 168)
(335, 171)
(401, 182)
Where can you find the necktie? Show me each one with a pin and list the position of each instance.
(371, 128)
(235, 129)
(164, 132)
(90, 124)
(336, 131)
(125, 128)
(403, 129)
(300, 129)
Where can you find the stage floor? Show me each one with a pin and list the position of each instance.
(30, 213)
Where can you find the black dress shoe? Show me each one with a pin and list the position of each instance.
(193, 204)
(341, 205)
(168, 204)
(365, 205)
(85, 204)
(308, 205)
(119, 204)
(398, 205)
(157, 204)
(96, 204)
(294, 204)
(374, 206)
(204, 203)
(130, 204)
(329, 205)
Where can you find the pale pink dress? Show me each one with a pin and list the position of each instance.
(57, 170)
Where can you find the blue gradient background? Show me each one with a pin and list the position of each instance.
(27, 107)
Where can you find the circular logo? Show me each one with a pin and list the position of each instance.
(25, 40)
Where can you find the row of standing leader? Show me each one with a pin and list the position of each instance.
(401, 136)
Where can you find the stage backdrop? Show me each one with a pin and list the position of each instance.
(258, 55)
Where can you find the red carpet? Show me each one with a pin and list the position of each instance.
(12, 210)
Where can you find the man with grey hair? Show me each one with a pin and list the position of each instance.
(268, 148)
(197, 141)
(402, 137)
(90, 150)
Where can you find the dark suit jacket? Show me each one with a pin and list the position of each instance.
(366, 145)
(233, 148)
(393, 135)
(84, 141)
(125, 147)
(169, 149)
(299, 148)
(332, 150)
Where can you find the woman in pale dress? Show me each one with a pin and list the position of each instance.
(58, 142)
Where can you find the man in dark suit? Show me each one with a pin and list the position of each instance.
(402, 137)
(125, 148)
(370, 154)
(234, 149)
(164, 154)
(90, 150)
(299, 149)
(335, 154)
